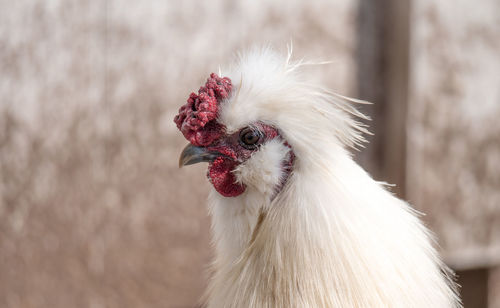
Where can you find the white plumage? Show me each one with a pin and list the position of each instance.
(332, 236)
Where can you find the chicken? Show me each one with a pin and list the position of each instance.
(295, 221)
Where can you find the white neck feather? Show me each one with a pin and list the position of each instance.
(322, 244)
(333, 237)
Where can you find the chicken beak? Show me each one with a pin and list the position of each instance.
(193, 155)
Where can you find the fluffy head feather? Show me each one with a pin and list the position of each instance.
(312, 229)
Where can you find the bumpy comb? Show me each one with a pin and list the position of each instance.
(197, 118)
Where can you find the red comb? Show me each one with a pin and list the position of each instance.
(197, 118)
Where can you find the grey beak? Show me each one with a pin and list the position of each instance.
(193, 154)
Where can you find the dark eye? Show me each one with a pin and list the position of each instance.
(249, 138)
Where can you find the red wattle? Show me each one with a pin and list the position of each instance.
(220, 173)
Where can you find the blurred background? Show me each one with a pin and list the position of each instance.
(94, 211)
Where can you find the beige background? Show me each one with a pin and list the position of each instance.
(454, 127)
(94, 211)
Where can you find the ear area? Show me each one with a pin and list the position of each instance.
(264, 171)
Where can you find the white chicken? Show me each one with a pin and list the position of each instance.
(296, 222)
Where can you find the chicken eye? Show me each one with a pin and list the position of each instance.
(249, 138)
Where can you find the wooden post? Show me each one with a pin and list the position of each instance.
(383, 57)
